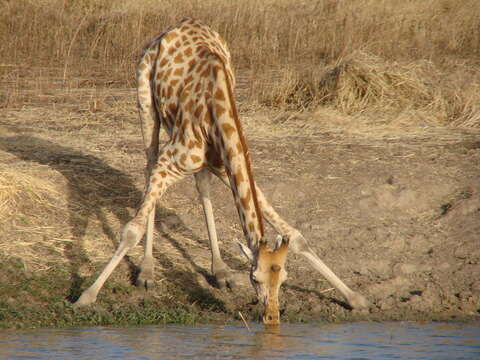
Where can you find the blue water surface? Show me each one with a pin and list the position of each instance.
(395, 340)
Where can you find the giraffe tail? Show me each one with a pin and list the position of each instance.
(150, 118)
(235, 153)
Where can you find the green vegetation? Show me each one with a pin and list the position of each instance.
(39, 300)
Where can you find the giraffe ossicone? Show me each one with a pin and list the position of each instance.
(185, 84)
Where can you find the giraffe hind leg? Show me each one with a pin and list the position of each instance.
(145, 276)
(224, 276)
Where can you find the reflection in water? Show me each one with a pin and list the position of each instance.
(290, 341)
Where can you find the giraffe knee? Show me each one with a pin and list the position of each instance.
(298, 244)
(131, 235)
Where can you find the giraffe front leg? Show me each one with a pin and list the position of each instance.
(224, 276)
(163, 175)
(131, 235)
(151, 124)
(299, 245)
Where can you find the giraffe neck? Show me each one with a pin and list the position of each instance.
(235, 154)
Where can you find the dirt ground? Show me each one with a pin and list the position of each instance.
(393, 211)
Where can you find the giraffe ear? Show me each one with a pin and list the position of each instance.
(281, 241)
(247, 252)
(278, 241)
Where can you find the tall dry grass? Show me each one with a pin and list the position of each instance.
(287, 44)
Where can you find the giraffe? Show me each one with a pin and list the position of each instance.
(184, 84)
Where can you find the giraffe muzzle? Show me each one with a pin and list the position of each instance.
(271, 316)
(271, 319)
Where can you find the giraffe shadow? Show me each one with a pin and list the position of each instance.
(319, 295)
(94, 189)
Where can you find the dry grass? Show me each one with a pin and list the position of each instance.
(53, 214)
(356, 84)
(25, 202)
(352, 54)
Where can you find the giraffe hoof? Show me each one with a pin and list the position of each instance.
(358, 301)
(145, 280)
(85, 299)
(225, 279)
(145, 283)
(145, 277)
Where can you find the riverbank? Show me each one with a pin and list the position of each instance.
(393, 211)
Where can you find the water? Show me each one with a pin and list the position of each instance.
(290, 341)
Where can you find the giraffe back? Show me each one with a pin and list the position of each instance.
(175, 64)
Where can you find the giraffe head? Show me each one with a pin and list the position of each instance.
(267, 274)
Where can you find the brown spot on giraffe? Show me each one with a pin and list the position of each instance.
(195, 158)
(239, 147)
(178, 71)
(188, 52)
(209, 120)
(170, 91)
(198, 87)
(189, 106)
(228, 129)
(188, 79)
(163, 62)
(219, 95)
(170, 36)
(210, 86)
(191, 64)
(178, 59)
(198, 111)
(245, 200)
(220, 110)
